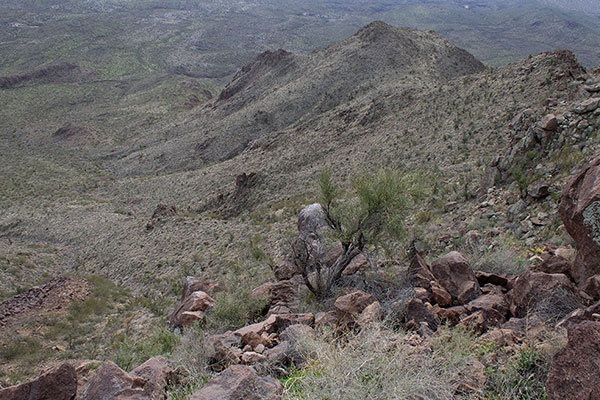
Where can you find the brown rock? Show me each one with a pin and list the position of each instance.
(417, 313)
(286, 270)
(330, 319)
(580, 211)
(194, 305)
(482, 320)
(549, 123)
(157, 374)
(451, 316)
(492, 301)
(592, 287)
(555, 265)
(419, 273)
(193, 284)
(485, 278)
(501, 337)
(240, 382)
(225, 350)
(454, 274)
(252, 357)
(440, 295)
(574, 372)
(354, 303)
(424, 295)
(58, 383)
(371, 314)
(267, 326)
(283, 321)
(531, 288)
(111, 382)
(358, 263)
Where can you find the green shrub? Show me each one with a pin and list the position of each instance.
(522, 379)
(131, 353)
(233, 310)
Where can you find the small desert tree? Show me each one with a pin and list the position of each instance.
(373, 210)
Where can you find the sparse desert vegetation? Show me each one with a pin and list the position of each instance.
(371, 213)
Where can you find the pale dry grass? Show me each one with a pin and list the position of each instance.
(378, 363)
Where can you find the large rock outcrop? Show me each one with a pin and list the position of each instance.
(580, 211)
(574, 372)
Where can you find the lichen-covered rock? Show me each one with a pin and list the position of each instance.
(580, 211)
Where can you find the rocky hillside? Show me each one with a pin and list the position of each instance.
(279, 90)
(216, 195)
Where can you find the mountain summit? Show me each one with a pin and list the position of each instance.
(279, 89)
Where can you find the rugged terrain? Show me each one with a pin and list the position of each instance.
(184, 177)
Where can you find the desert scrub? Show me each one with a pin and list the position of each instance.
(523, 378)
(379, 363)
(234, 309)
(131, 353)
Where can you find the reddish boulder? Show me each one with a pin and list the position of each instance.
(592, 287)
(225, 350)
(532, 288)
(555, 265)
(574, 372)
(358, 264)
(487, 278)
(193, 284)
(580, 211)
(191, 309)
(240, 382)
(419, 273)
(354, 303)
(452, 316)
(157, 374)
(58, 383)
(418, 313)
(111, 382)
(440, 295)
(370, 314)
(492, 301)
(482, 320)
(454, 274)
(549, 123)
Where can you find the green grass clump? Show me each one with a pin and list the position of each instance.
(234, 309)
(131, 353)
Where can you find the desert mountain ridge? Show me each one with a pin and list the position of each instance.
(202, 208)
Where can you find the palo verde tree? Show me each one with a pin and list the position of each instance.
(374, 209)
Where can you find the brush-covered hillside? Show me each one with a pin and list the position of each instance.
(110, 208)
